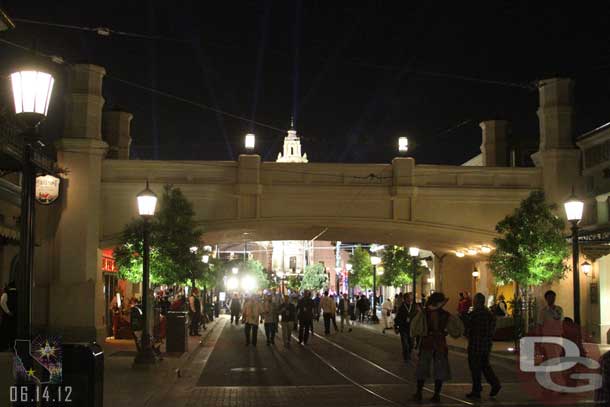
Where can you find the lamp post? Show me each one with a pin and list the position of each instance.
(147, 203)
(574, 208)
(32, 91)
(414, 253)
(375, 262)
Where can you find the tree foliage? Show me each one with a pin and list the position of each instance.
(532, 247)
(314, 277)
(398, 267)
(252, 268)
(172, 233)
(362, 269)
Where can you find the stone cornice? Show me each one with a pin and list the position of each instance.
(82, 145)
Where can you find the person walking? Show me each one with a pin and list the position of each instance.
(386, 314)
(402, 324)
(287, 312)
(305, 313)
(431, 325)
(329, 308)
(344, 312)
(194, 312)
(317, 300)
(480, 327)
(251, 317)
(235, 308)
(362, 305)
(8, 314)
(270, 318)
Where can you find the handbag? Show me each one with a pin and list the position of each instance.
(455, 327)
(419, 325)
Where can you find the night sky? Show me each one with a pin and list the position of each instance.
(355, 75)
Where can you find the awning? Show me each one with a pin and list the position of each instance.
(595, 241)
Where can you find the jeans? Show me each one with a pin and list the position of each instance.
(327, 316)
(251, 333)
(194, 327)
(286, 331)
(407, 344)
(270, 328)
(345, 320)
(304, 327)
(479, 364)
(236, 316)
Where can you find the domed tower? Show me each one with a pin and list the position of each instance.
(292, 148)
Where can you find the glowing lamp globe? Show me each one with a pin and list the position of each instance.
(348, 267)
(147, 202)
(205, 258)
(586, 268)
(413, 251)
(475, 273)
(235, 270)
(250, 141)
(574, 208)
(459, 253)
(32, 91)
(403, 144)
(375, 260)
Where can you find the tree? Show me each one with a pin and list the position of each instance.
(172, 233)
(530, 252)
(362, 269)
(398, 267)
(252, 268)
(314, 277)
(532, 247)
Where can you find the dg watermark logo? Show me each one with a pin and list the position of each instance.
(559, 370)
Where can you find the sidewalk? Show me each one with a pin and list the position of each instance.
(126, 386)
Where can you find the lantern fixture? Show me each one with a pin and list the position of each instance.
(459, 253)
(375, 260)
(235, 270)
(485, 249)
(32, 91)
(413, 251)
(147, 202)
(194, 249)
(205, 258)
(475, 273)
(349, 267)
(403, 145)
(250, 141)
(586, 268)
(574, 208)
(471, 252)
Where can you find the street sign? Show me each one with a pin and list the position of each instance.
(47, 189)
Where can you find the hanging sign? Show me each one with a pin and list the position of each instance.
(47, 189)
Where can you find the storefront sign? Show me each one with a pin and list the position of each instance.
(47, 189)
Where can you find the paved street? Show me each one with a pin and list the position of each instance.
(361, 368)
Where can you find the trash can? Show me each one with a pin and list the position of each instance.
(83, 373)
(177, 332)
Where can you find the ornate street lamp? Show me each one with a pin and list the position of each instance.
(147, 204)
(375, 261)
(574, 208)
(32, 91)
(205, 258)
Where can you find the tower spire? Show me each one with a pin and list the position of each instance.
(291, 122)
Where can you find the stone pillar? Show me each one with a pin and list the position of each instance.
(249, 188)
(76, 295)
(116, 129)
(602, 208)
(557, 154)
(402, 188)
(494, 144)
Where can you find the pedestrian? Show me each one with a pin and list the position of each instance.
(194, 312)
(270, 318)
(480, 327)
(251, 317)
(8, 314)
(402, 324)
(305, 313)
(362, 307)
(235, 308)
(432, 325)
(333, 317)
(344, 312)
(329, 308)
(501, 309)
(317, 301)
(386, 314)
(287, 311)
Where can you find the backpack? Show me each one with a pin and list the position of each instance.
(419, 325)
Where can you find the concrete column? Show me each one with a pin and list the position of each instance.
(494, 144)
(557, 155)
(248, 186)
(116, 129)
(76, 295)
(602, 208)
